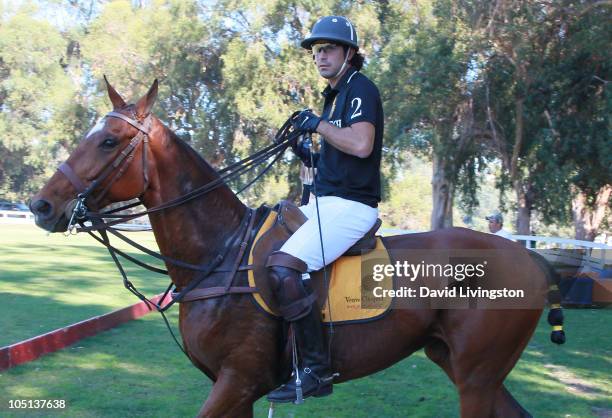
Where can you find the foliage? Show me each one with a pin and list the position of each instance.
(581, 99)
(35, 93)
(409, 202)
(468, 85)
(544, 100)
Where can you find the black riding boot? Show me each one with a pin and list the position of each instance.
(315, 373)
(296, 306)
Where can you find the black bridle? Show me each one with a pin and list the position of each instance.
(79, 213)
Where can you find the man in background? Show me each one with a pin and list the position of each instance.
(496, 225)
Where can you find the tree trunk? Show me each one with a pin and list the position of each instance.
(523, 218)
(518, 137)
(442, 193)
(587, 219)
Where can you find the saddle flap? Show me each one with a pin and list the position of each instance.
(346, 296)
(283, 221)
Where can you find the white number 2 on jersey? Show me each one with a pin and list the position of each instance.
(357, 111)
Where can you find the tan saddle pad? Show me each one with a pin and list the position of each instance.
(341, 301)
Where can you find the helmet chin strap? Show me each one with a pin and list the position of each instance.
(343, 64)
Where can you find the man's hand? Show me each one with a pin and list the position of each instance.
(302, 151)
(305, 153)
(306, 121)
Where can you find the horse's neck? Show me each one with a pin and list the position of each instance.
(196, 231)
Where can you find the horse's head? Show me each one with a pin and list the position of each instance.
(109, 164)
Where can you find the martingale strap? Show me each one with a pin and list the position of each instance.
(192, 294)
(205, 271)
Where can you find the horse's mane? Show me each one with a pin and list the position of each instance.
(190, 151)
(181, 143)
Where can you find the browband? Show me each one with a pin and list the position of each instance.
(131, 121)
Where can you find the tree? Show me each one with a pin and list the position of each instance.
(580, 111)
(423, 71)
(542, 67)
(34, 89)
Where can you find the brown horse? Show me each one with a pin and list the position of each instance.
(233, 342)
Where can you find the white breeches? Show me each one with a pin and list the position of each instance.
(343, 223)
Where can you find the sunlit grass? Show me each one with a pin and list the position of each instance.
(136, 370)
(50, 280)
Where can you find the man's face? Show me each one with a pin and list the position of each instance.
(494, 226)
(329, 58)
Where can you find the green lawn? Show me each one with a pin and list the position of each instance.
(136, 370)
(49, 280)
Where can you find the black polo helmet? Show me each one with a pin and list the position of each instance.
(332, 28)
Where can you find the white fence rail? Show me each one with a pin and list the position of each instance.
(559, 242)
(562, 242)
(16, 217)
(588, 255)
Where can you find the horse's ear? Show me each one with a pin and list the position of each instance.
(144, 105)
(114, 97)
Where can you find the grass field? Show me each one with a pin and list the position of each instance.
(136, 370)
(49, 280)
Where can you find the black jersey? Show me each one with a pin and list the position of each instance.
(354, 99)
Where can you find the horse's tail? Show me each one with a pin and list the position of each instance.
(555, 315)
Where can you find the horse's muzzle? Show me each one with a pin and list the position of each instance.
(45, 217)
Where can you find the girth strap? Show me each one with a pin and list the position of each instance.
(214, 292)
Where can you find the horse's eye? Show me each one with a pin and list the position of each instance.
(109, 143)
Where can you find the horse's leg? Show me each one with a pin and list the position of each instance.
(480, 365)
(476, 401)
(507, 406)
(480, 401)
(438, 352)
(232, 395)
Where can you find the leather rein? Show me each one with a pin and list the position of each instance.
(79, 213)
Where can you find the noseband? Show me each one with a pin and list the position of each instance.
(121, 162)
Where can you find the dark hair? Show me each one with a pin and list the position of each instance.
(357, 60)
